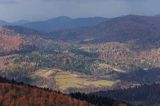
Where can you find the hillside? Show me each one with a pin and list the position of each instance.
(19, 22)
(27, 54)
(145, 95)
(18, 94)
(3, 23)
(12, 30)
(13, 39)
(62, 23)
(121, 29)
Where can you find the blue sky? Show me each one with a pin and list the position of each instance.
(12, 10)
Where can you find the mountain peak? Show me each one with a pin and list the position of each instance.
(61, 18)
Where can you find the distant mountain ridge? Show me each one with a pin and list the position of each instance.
(3, 23)
(125, 28)
(63, 22)
(19, 22)
(56, 24)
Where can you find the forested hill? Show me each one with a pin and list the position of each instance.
(145, 95)
(19, 94)
(124, 28)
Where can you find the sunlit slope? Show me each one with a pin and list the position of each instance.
(66, 80)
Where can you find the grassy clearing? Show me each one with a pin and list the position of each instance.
(66, 80)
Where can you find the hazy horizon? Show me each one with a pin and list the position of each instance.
(35, 10)
(71, 18)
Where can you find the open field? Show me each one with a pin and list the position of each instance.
(65, 79)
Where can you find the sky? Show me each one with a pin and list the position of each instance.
(12, 10)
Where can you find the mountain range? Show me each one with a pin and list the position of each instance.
(19, 22)
(58, 23)
(93, 54)
(120, 29)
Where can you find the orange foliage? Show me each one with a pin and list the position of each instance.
(10, 43)
(23, 95)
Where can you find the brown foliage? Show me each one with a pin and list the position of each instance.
(10, 43)
(22, 95)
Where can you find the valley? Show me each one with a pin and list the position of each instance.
(79, 53)
(119, 53)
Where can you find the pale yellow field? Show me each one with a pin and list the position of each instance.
(66, 79)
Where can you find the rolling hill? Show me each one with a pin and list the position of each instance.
(18, 94)
(56, 24)
(3, 23)
(145, 95)
(62, 23)
(110, 64)
(121, 29)
(23, 54)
